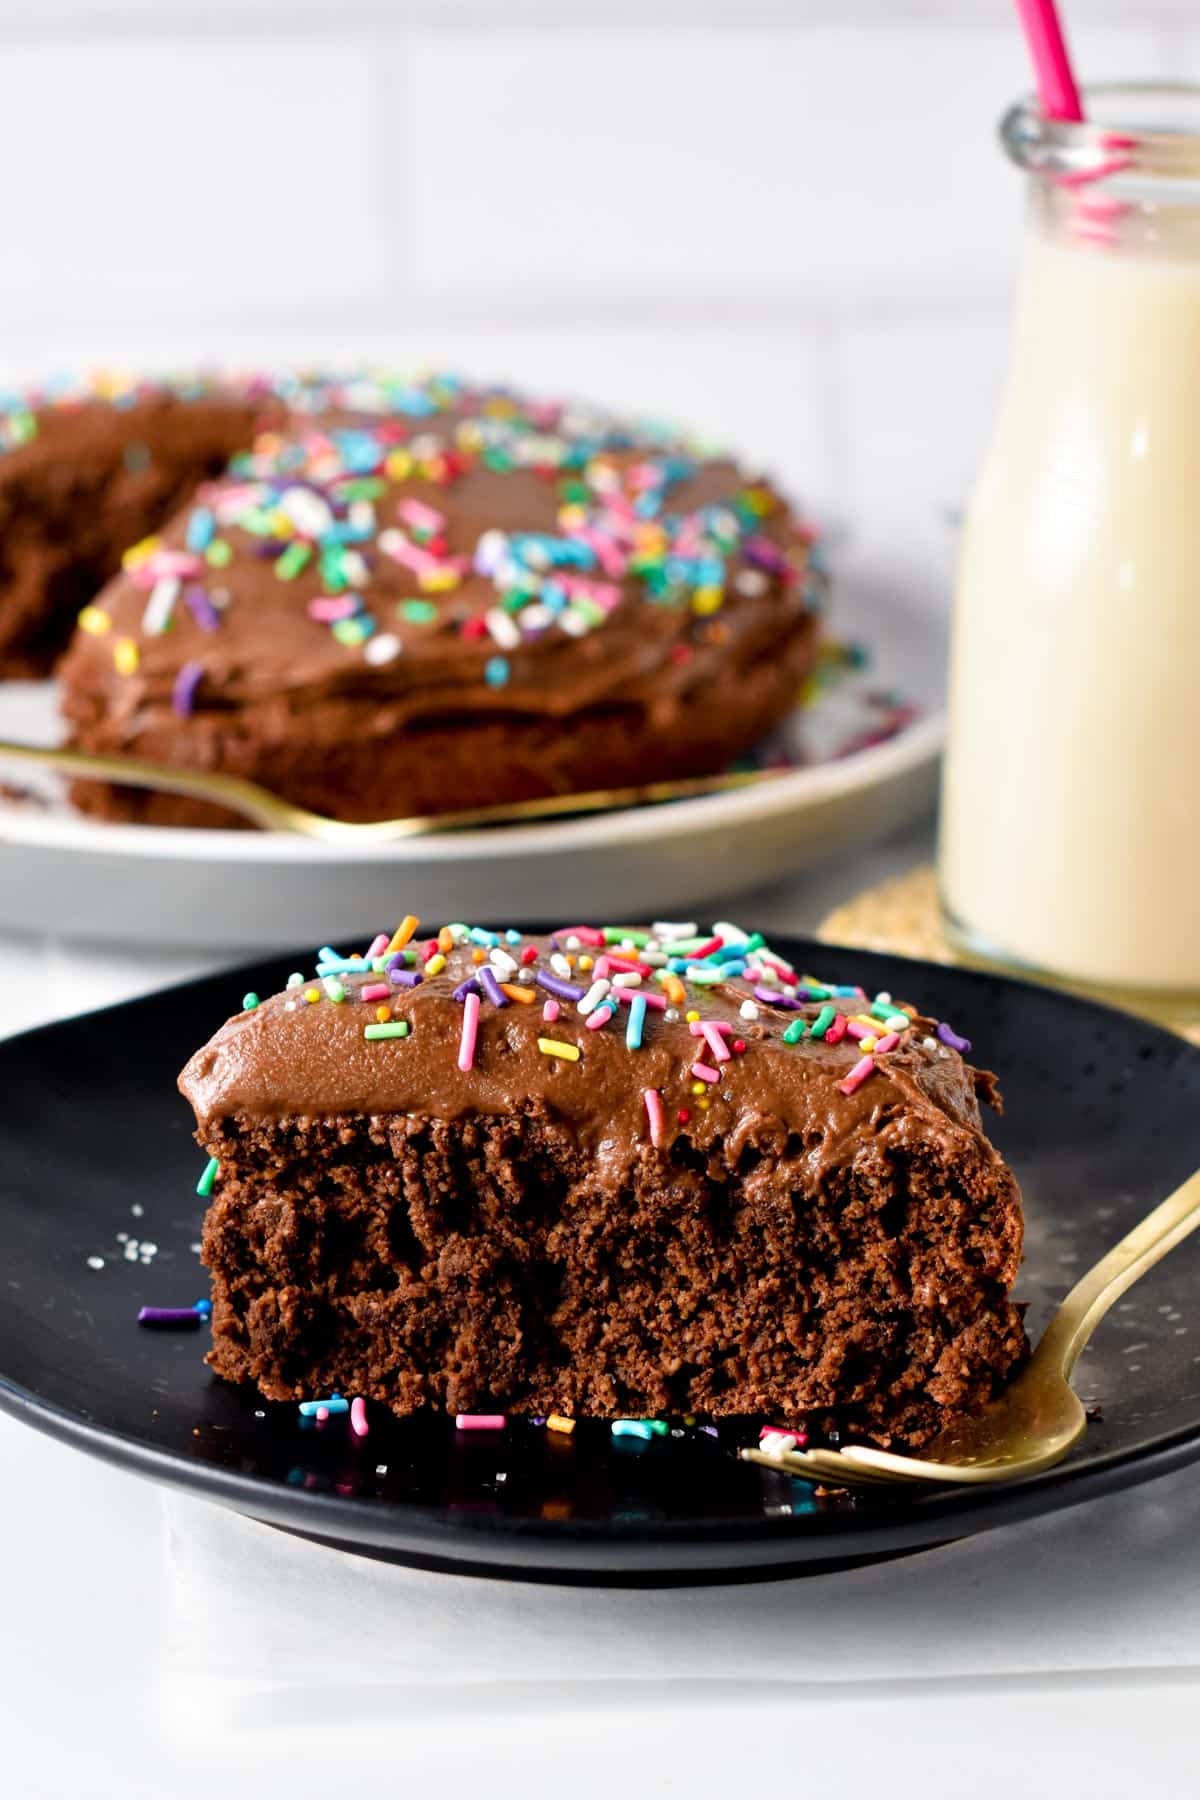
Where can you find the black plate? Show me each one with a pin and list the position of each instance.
(1103, 1120)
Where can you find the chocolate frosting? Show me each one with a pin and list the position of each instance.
(290, 1057)
(664, 629)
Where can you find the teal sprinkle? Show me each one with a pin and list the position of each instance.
(496, 671)
(249, 1002)
(795, 1031)
(636, 1022)
(204, 1186)
(823, 1021)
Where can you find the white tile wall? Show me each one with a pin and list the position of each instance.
(784, 221)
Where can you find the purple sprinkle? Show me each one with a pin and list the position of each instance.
(169, 1315)
(469, 986)
(202, 609)
(183, 694)
(399, 976)
(491, 987)
(565, 990)
(773, 997)
(962, 1045)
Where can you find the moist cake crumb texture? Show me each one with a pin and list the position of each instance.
(610, 1173)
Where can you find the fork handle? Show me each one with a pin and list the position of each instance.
(1126, 1262)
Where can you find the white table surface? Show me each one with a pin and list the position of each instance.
(168, 1649)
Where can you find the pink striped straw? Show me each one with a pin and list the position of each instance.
(1056, 86)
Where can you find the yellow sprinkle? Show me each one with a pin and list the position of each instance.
(403, 932)
(692, 1017)
(704, 1106)
(553, 1047)
(438, 581)
(125, 656)
(445, 940)
(708, 600)
(94, 621)
(398, 466)
(697, 1087)
(312, 995)
(435, 965)
(866, 1045)
(865, 1019)
(525, 995)
(140, 553)
(585, 962)
(556, 1422)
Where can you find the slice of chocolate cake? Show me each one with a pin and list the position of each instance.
(86, 470)
(613, 1173)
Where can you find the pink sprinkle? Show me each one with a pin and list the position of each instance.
(330, 607)
(655, 1002)
(550, 1011)
(855, 1030)
(600, 1017)
(715, 1042)
(378, 945)
(424, 518)
(358, 1417)
(587, 934)
(654, 1113)
(702, 1027)
(470, 1029)
(888, 1042)
(601, 967)
(375, 990)
(857, 1075)
(837, 1030)
(322, 1414)
(480, 1422)
(704, 1073)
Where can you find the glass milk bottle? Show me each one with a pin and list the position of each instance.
(1070, 833)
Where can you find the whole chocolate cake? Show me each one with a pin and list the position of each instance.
(610, 1173)
(400, 596)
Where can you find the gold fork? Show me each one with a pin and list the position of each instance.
(263, 808)
(1037, 1419)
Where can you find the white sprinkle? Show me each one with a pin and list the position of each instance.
(259, 1413)
(536, 618)
(306, 510)
(137, 1209)
(748, 1010)
(654, 959)
(594, 996)
(560, 965)
(750, 582)
(573, 942)
(490, 551)
(149, 1249)
(667, 929)
(767, 976)
(575, 624)
(289, 1006)
(95, 1262)
(629, 978)
(385, 647)
(501, 960)
(928, 1043)
(122, 1237)
(381, 1468)
(131, 1250)
(160, 605)
(777, 1443)
(733, 934)
(354, 568)
(503, 631)
(361, 515)
(195, 1249)
(883, 999)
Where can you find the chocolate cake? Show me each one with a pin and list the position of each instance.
(613, 1173)
(412, 598)
(85, 471)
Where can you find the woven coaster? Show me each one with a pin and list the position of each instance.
(902, 916)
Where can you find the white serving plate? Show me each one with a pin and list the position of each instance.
(73, 878)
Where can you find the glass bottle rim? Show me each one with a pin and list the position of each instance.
(1146, 128)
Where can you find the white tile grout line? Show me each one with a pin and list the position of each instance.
(88, 19)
